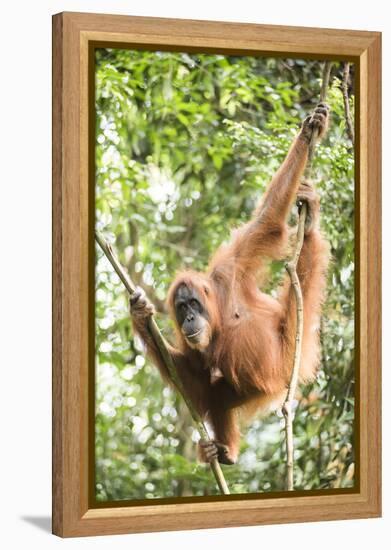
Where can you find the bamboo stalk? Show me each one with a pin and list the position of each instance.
(162, 347)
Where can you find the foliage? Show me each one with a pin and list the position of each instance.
(185, 145)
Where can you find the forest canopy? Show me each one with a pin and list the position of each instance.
(185, 145)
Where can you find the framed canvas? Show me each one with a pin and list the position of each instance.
(166, 135)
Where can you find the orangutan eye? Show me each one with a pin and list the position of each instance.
(194, 304)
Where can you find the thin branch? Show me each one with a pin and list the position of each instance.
(344, 88)
(325, 80)
(323, 93)
(166, 357)
(287, 406)
(291, 268)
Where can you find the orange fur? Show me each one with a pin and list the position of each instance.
(251, 335)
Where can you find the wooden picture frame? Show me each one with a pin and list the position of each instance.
(75, 35)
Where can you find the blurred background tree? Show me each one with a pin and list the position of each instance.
(185, 145)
